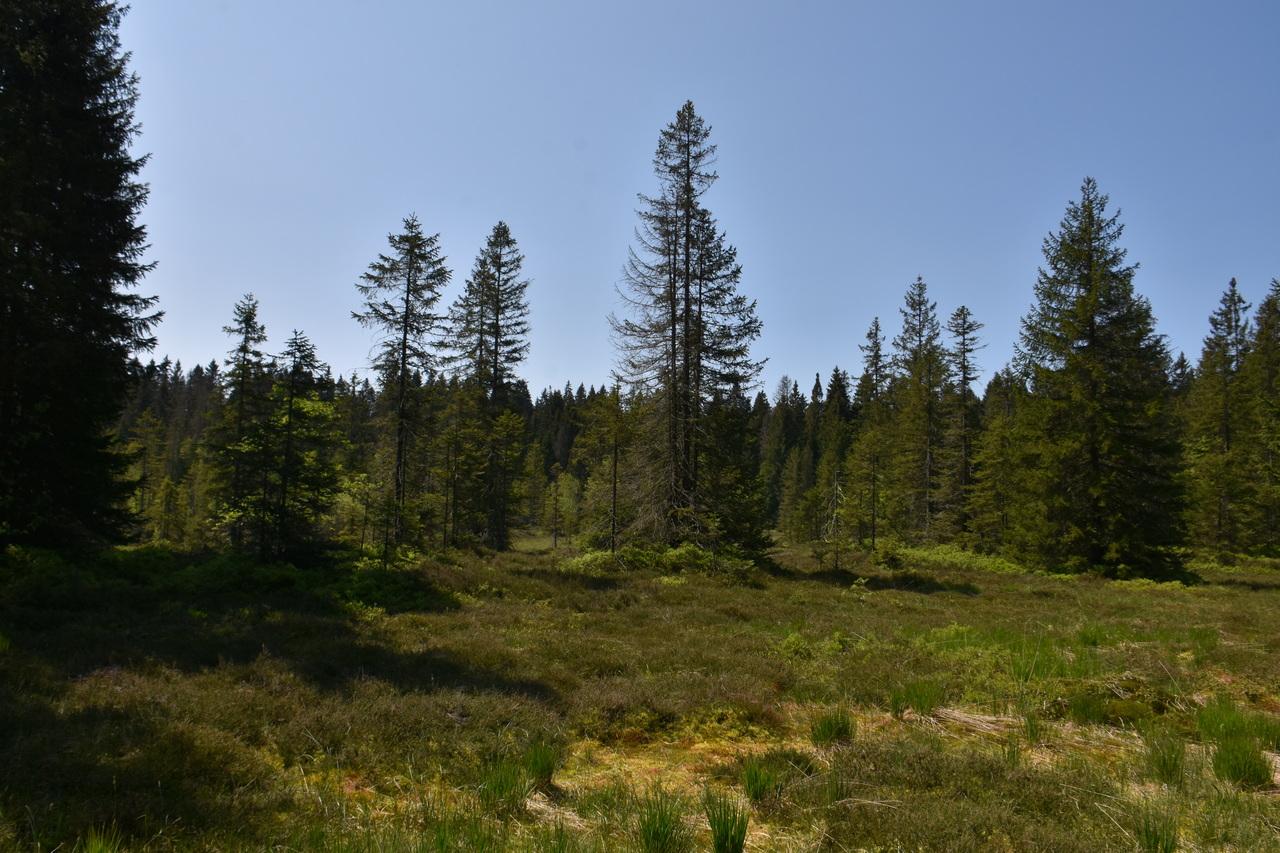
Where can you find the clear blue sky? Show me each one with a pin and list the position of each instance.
(861, 144)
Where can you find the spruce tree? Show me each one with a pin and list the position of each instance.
(688, 331)
(917, 420)
(489, 321)
(306, 473)
(1218, 443)
(961, 418)
(866, 461)
(999, 498)
(70, 199)
(401, 291)
(1106, 449)
(240, 443)
(1261, 373)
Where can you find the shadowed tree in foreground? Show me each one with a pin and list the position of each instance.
(72, 250)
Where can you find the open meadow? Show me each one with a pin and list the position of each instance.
(534, 700)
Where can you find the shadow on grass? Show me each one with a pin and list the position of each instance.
(1251, 585)
(199, 612)
(153, 769)
(574, 580)
(905, 581)
(68, 773)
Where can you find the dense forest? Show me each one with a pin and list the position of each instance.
(1092, 448)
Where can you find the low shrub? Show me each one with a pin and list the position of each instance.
(956, 558)
(591, 564)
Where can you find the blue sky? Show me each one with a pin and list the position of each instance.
(861, 144)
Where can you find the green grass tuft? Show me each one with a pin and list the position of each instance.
(1239, 759)
(760, 779)
(504, 787)
(832, 727)
(1032, 727)
(1221, 718)
(923, 696)
(541, 760)
(728, 820)
(108, 840)
(1156, 829)
(1166, 757)
(660, 822)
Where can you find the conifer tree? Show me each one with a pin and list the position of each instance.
(688, 331)
(1106, 451)
(999, 497)
(866, 461)
(601, 448)
(306, 475)
(1218, 431)
(73, 250)
(240, 442)
(782, 430)
(1261, 373)
(961, 422)
(917, 426)
(401, 291)
(489, 321)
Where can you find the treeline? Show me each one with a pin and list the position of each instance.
(1091, 449)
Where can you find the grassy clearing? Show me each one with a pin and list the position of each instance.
(527, 701)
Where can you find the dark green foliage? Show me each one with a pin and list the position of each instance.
(1261, 375)
(1218, 442)
(1086, 708)
(1105, 452)
(73, 250)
